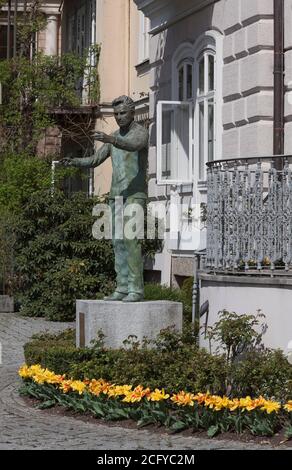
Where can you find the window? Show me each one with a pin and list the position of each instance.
(4, 41)
(81, 34)
(83, 180)
(71, 34)
(205, 105)
(80, 23)
(143, 38)
(196, 72)
(185, 80)
(174, 143)
(81, 26)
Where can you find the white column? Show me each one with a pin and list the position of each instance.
(51, 47)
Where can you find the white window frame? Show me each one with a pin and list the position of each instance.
(160, 180)
(211, 41)
(185, 63)
(204, 98)
(144, 38)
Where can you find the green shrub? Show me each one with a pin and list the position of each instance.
(176, 363)
(34, 85)
(57, 260)
(197, 371)
(56, 352)
(187, 289)
(263, 372)
(252, 368)
(158, 292)
(236, 334)
(20, 176)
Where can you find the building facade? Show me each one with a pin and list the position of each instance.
(220, 107)
(73, 26)
(121, 31)
(48, 40)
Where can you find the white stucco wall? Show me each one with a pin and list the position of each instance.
(247, 76)
(247, 28)
(274, 301)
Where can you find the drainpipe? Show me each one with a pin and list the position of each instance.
(15, 29)
(24, 20)
(279, 72)
(129, 48)
(8, 29)
(196, 290)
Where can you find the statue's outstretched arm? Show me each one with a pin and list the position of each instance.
(132, 142)
(96, 159)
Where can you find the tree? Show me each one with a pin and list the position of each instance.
(34, 88)
(35, 85)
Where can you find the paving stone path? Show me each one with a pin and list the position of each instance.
(24, 427)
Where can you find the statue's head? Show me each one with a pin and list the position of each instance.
(124, 110)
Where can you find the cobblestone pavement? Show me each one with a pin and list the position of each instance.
(24, 427)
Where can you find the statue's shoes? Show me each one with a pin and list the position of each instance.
(133, 297)
(115, 296)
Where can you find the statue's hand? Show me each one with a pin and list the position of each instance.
(67, 161)
(102, 137)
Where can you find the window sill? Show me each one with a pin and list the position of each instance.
(174, 183)
(202, 185)
(143, 67)
(186, 188)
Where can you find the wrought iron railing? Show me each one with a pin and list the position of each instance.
(249, 214)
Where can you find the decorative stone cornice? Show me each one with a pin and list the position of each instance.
(164, 13)
(150, 7)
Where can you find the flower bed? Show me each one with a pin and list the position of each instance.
(176, 411)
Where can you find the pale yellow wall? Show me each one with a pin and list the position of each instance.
(118, 33)
(117, 30)
(103, 173)
(138, 84)
(111, 34)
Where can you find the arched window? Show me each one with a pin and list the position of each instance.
(205, 107)
(189, 126)
(185, 79)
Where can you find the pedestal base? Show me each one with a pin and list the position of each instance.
(6, 304)
(118, 320)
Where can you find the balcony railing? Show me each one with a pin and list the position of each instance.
(249, 220)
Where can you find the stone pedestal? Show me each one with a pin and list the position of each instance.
(118, 320)
(6, 304)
